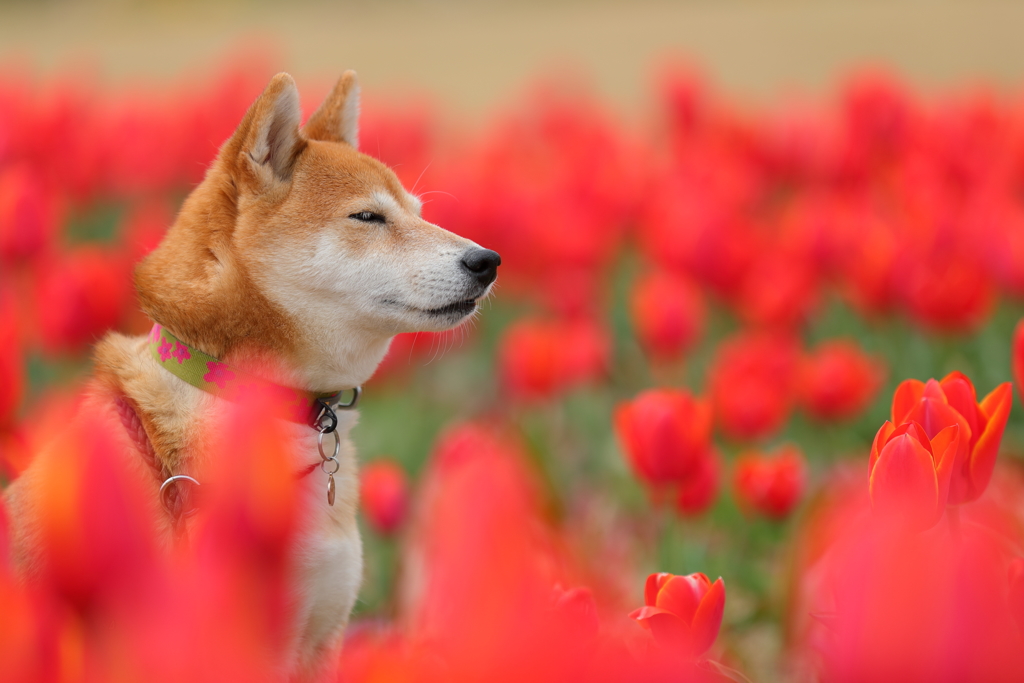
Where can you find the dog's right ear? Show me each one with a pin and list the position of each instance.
(262, 151)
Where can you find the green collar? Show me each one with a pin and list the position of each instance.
(209, 374)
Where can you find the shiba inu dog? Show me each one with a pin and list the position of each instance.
(298, 248)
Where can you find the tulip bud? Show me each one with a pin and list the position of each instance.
(665, 434)
(838, 380)
(683, 613)
(668, 314)
(384, 492)
(770, 485)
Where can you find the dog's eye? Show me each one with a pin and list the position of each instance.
(368, 217)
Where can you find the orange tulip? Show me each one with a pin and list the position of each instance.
(910, 473)
(937, 405)
(682, 612)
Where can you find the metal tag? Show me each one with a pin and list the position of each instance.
(330, 489)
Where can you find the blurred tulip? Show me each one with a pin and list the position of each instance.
(937, 405)
(539, 359)
(909, 473)
(668, 314)
(698, 490)
(779, 291)
(28, 216)
(666, 434)
(81, 296)
(1016, 593)
(683, 613)
(770, 485)
(838, 380)
(384, 495)
(12, 363)
(751, 381)
(1017, 357)
(577, 609)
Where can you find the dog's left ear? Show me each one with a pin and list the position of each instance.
(337, 119)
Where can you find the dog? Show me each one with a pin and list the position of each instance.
(294, 247)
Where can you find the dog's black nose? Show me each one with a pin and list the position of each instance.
(482, 264)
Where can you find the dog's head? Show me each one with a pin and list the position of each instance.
(297, 243)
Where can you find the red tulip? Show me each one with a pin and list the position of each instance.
(81, 296)
(665, 433)
(539, 359)
(779, 290)
(838, 380)
(698, 490)
(1017, 357)
(28, 217)
(1017, 591)
(683, 613)
(668, 314)
(12, 369)
(937, 405)
(770, 485)
(384, 494)
(910, 473)
(751, 382)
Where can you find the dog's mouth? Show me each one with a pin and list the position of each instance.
(458, 309)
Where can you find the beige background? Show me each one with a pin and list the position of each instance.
(474, 54)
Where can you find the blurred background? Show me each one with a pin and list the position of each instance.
(473, 55)
(782, 207)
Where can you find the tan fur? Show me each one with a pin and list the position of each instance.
(266, 269)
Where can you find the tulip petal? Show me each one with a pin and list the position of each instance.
(904, 482)
(944, 448)
(881, 438)
(708, 619)
(653, 585)
(668, 629)
(960, 393)
(906, 396)
(996, 408)
(681, 595)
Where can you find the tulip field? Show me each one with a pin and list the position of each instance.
(741, 405)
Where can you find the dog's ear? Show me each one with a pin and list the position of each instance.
(337, 119)
(262, 151)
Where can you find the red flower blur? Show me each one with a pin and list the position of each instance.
(683, 613)
(1017, 357)
(539, 359)
(770, 485)
(666, 434)
(838, 380)
(751, 381)
(1016, 592)
(384, 495)
(937, 405)
(698, 490)
(667, 313)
